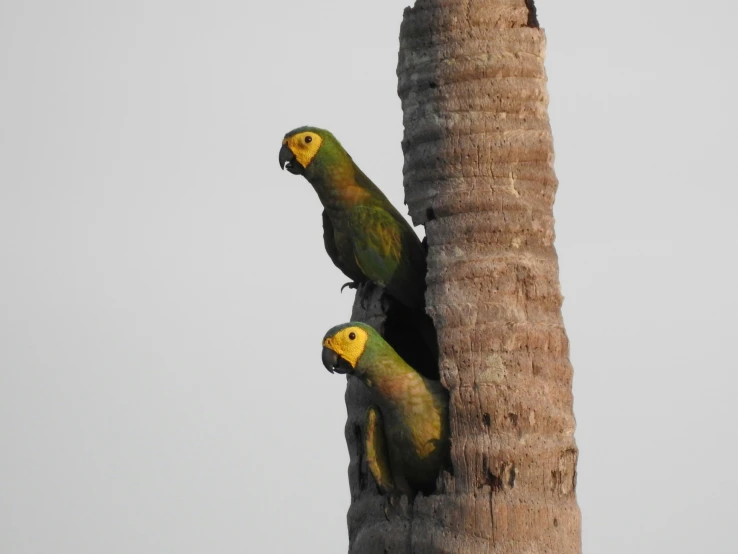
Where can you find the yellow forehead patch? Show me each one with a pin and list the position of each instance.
(304, 146)
(350, 349)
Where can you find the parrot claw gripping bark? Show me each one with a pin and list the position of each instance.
(406, 427)
(351, 284)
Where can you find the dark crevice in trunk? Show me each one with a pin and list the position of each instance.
(410, 332)
(532, 14)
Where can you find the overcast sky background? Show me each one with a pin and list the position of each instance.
(164, 288)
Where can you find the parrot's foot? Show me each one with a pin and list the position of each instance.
(363, 290)
(351, 285)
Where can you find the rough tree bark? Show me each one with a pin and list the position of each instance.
(479, 175)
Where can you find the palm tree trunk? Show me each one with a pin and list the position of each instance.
(479, 175)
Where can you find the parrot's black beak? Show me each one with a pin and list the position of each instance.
(333, 362)
(287, 159)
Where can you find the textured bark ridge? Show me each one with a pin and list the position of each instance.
(479, 174)
(479, 157)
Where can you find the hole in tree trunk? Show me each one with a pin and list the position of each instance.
(511, 477)
(494, 482)
(532, 14)
(412, 334)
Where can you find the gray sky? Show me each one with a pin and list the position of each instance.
(164, 287)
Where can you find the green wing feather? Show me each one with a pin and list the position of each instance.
(377, 243)
(376, 450)
(388, 254)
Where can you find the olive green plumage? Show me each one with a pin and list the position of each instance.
(364, 235)
(406, 431)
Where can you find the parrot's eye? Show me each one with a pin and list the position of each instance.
(352, 335)
(308, 139)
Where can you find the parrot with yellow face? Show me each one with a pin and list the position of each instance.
(364, 235)
(406, 430)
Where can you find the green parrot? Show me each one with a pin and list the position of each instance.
(406, 431)
(364, 235)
